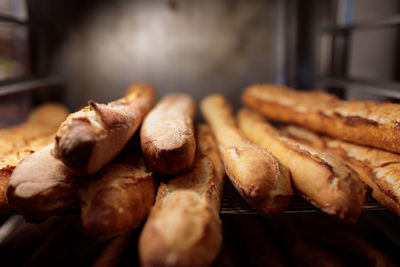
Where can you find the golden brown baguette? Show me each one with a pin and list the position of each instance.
(10, 160)
(324, 180)
(119, 197)
(38, 124)
(41, 185)
(90, 138)
(184, 228)
(368, 123)
(379, 169)
(19, 141)
(167, 134)
(258, 176)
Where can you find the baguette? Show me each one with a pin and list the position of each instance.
(90, 138)
(41, 186)
(119, 197)
(19, 141)
(38, 125)
(184, 228)
(324, 180)
(366, 123)
(258, 176)
(167, 135)
(379, 169)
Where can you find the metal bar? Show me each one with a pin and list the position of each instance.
(11, 19)
(9, 226)
(379, 88)
(368, 25)
(25, 85)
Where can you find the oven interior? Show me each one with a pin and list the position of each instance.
(73, 51)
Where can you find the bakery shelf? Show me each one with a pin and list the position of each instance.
(390, 21)
(11, 19)
(24, 84)
(379, 88)
(233, 203)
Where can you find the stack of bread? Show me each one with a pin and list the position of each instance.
(172, 171)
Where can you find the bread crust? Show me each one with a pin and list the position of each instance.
(90, 138)
(367, 123)
(118, 198)
(22, 140)
(379, 169)
(41, 186)
(324, 180)
(184, 228)
(167, 135)
(258, 176)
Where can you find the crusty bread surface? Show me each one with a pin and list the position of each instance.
(367, 123)
(41, 185)
(90, 138)
(184, 228)
(258, 176)
(379, 169)
(323, 179)
(22, 140)
(167, 135)
(119, 197)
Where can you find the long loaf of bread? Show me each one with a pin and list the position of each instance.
(184, 228)
(19, 141)
(367, 123)
(119, 197)
(41, 186)
(258, 176)
(90, 138)
(167, 134)
(324, 180)
(378, 168)
(43, 121)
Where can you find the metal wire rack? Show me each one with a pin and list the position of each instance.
(233, 203)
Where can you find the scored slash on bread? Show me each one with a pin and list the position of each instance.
(367, 123)
(258, 176)
(324, 180)
(90, 138)
(167, 134)
(378, 168)
(184, 228)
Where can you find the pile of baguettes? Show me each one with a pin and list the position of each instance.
(95, 162)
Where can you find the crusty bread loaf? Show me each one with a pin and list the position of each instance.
(90, 138)
(41, 185)
(378, 168)
(258, 176)
(368, 123)
(48, 113)
(19, 141)
(167, 135)
(119, 197)
(10, 160)
(36, 126)
(324, 180)
(184, 228)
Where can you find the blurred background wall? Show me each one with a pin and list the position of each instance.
(200, 47)
(197, 47)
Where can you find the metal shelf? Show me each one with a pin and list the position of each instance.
(233, 203)
(391, 21)
(297, 205)
(379, 88)
(20, 85)
(10, 19)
